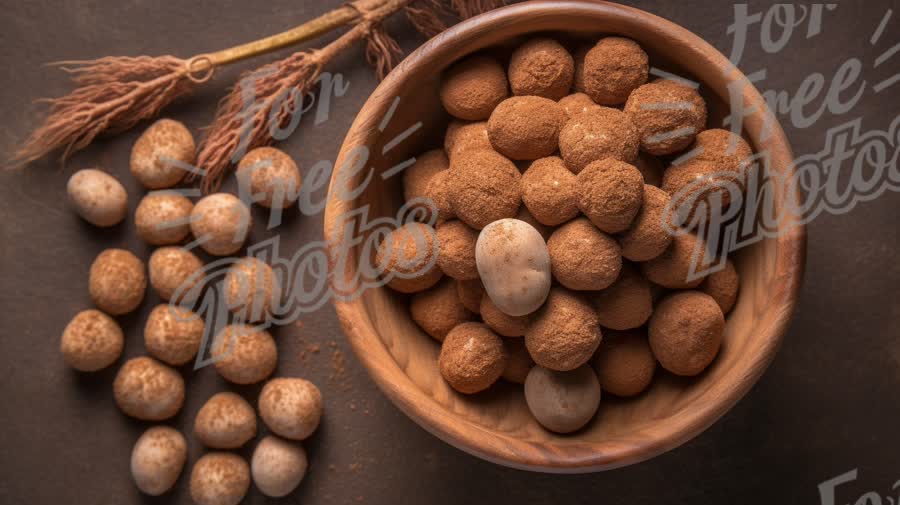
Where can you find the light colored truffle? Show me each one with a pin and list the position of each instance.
(408, 256)
(162, 218)
(220, 478)
(252, 290)
(175, 273)
(565, 333)
(157, 459)
(668, 115)
(541, 67)
(612, 69)
(583, 257)
(472, 87)
(98, 197)
(221, 223)
(225, 421)
(597, 134)
(627, 303)
(148, 390)
(472, 358)
(162, 154)
(624, 363)
(686, 332)
(439, 309)
(278, 466)
(610, 194)
(526, 127)
(117, 281)
(549, 191)
(562, 401)
(272, 173)
(244, 355)
(484, 187)
(291, 407)
(173, 334)
(91, 341)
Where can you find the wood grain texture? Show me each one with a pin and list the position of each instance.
(497, 425)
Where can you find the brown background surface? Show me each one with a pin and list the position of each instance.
(830, 402)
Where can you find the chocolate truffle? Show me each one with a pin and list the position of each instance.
(612, 69)
(456, 250)
(221, 223)
(270, 172)
(462, 137)
(541, 67)
(438, 310)
(161, 218)
(526, 127)
(562, 401)
(627, 303)
(417, 177)
(252, 290)
(470, 293)
(175, 271)
(225, 421)
(576, 103)
(484, 187)
(408, 256)
(518, 361)
(117, 281)
(723, 286)
(219, 478)
(597, 134)
(472, 358)
(91, 341)
(549, 191)
(686, 332)
(695, 183)
(291, 407)
(162, 154)
(472, 87)
(244, 355)
(651, 168)
(671, 268)
(278, 466)
(583, 257)
(647, 237)
(668, 115)
(610, 193)
(148, 390)
(564, 333)
(501, 322)
(438, 191)
(624, 363)
(723, 148)
(157, 459)
(173, 334)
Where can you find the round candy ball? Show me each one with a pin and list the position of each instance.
(501, 322)
(612, 69)
(541, 67)
(148, 390)
(723, 285)
(576, 103)
(647, 237)
(220, 478)
(624, 363)
(439, 309)
(562, 401)
(173, 334)
(518, 361)
(526, 127)
(456, 255)
(162, 218)
(157, 459)
(470, 293)
(252, 290)
(668, 115)
(98, 197)
(462, 136)
(672, 268)
(725, 149)
(695, 182)
(175, 273)
(91, 341)
(291, 407)
(472, 358)
(277, 466)
(162, 155)
(686, 332)
(438, 191)
(408, 257)
(484, 187)
(416, 178)
(549, 191)
(472, 87)
(221, 223)
(627, 303)
(271, 173)
(610, 193)
(565, 333)
(583, 257)
(117, 281)
(225, 421)
(244, 355)
(597, 134)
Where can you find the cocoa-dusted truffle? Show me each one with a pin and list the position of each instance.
(225, 421)
(597, 134)
(668, 115)
(462, 136)
(526, 127)
(272, 173)
(161, 218)
(117, 281)
(408, 255)
(439, 309)
(518, 361)
(438, 191)
(291, 407)
(173, 334)
(612, 69)
(541, 67)
(148, 390)
(686, 332)
(549, 191)
(161, 154)
(724, 148)
(723, 286)
(627, 303)
(470, 293)
(576, 103)
(671, 268)
(175, 271)
(484, 187)
(456, 250)
(417, 177)
(472, 358)
(252, 290)
(583, 257)
(647, 237)
(564, 333)
(624, 362)
(219, 478)
(244, 355)
(651, 168)
(91, 341)
(501, 322)
(472, 87)
(562, 401)
(610, 193)
(157, 459)
(221, 222)
(699, 182)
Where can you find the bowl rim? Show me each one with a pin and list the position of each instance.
(574, 457)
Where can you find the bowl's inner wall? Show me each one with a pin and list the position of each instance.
(502, 409)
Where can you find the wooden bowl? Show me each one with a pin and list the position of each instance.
(496, 425)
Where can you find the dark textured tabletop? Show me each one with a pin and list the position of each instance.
(829, 404)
